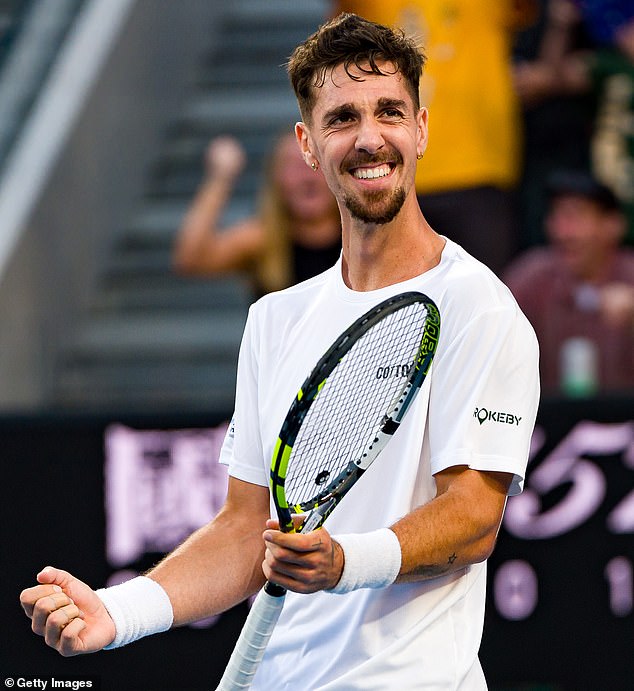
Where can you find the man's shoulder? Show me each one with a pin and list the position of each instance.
(625, 263)
(467, 276)
(290, 303)
(468, 291)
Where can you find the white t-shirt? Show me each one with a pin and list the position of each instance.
(477, 408)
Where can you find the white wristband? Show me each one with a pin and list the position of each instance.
(139, 607)
(371, 560)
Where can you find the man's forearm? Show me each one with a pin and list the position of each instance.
(456, 529)
(220, 564)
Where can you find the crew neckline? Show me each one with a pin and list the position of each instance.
(350, 295)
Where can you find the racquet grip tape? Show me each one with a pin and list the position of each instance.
(252, 642)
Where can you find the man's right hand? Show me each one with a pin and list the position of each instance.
(68, 613)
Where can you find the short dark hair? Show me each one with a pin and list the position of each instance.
(581, 183)
(352, 41)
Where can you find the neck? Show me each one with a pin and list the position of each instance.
(593, 269)
(318, 232)
(376, 256)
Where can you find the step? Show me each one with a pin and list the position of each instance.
(267, 46)
(283, 10)
(240, 111)
(187, 153)
(208, 386)
(214, 75)
(157, 336)
(146, 264)
(163, 215)
(171, 292)
(156, 226)
(180, 183)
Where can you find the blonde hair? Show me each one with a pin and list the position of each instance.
(273, 269)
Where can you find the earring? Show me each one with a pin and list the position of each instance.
(419, 156)
(314, 166)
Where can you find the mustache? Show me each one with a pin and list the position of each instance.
(358, 159)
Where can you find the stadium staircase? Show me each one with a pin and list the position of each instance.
(151, 340)
(25, 63)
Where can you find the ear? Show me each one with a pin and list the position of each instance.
(305, 146)
(422, 120)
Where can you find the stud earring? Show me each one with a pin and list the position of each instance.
(419, 156)
(314, 166)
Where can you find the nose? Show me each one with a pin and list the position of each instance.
(561, 225)
(369, 137)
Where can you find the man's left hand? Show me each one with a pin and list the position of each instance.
(303, 563)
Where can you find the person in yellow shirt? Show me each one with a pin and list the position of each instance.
(467, 180)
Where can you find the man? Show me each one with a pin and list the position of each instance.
(468, 181)
(604, 71)
(581, 286)
(412, 565)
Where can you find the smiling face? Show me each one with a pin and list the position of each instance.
(365, 134)
(584, 234)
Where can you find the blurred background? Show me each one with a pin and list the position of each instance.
(117, 358)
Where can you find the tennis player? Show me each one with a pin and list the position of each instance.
(390, 594)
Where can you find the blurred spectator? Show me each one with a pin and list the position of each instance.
(606, 71)
(556, 128)
(295, 234)
(467, 180)
(578, 292)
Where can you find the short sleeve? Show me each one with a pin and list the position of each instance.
(484, 396)
(242, 447)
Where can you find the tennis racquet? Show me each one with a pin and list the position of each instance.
(344, 414)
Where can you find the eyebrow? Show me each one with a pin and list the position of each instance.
(383, 103)
(386, 102)
(339, 110)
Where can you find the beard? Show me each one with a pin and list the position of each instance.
(376, 207)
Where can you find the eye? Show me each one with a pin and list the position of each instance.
(341, 119)
(393, 113)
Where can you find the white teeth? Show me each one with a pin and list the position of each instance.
(371, 173)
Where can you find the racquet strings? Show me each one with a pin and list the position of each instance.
(348, 410)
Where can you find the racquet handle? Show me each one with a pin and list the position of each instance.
(252, 642)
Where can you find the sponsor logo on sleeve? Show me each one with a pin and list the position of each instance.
(483, 415)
